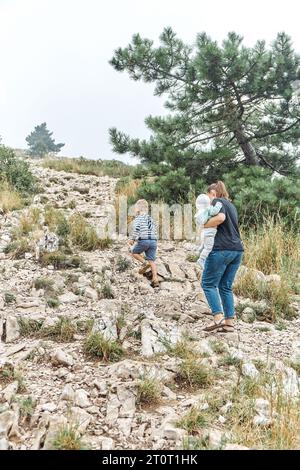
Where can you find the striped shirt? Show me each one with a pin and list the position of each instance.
(144, 228)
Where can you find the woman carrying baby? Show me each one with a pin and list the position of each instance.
(223, 261)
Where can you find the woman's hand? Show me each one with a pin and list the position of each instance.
(215, 221)
(130, 242)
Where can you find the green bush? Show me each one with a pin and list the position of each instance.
(16, 172)
(174, 187)
(257, 195)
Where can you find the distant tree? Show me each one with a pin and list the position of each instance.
(228, 104)
(40, 142)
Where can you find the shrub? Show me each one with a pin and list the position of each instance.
(193, 421)
(55, 220)
(43, 283)
(29, 327)
(123, 264)
(26, 406)
(60, 260)
(193, 374)
(148, 391)
(106, 291)
(9, 297)
(257, 196)
(174, 187)
(63, 330)
(17, 249)
(16, 172)
(68, 438)
(52, 302)
(84, 235)
(97, 346)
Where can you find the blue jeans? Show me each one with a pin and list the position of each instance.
(217, 279)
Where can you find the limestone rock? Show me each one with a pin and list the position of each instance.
(81, 399)
(91, 293)
(61, 357)
(68, 393)
(249, 370)
(107, 443)
(68, 298)
(12, 329)
(79, 418)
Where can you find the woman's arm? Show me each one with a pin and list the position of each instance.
(215, 221)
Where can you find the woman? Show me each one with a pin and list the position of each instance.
(223, 261)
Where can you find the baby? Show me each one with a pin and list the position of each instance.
(206, 211)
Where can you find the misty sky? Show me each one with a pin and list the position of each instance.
(54, 61)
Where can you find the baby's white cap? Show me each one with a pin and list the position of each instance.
(202, 201)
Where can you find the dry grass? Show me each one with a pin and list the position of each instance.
(148, 391)
(271, 249)
(193, 421)
(284, 429)
(68, 438)
(9, 200)
(83, 166)
(277, 295)
(97, 346)
(85, 236)
(63, 330)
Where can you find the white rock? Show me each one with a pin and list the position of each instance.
(91, 293)
(9, 391)
(260, 420)
(273, 278)
(49, 407)
(68, 298)
(235, 447)
(80, 419)
(225, 408)
(249, 370)
(222, 419)
(55, 425)
(4, 444)
(81, 398)
(7, 419)
(107, 443)
(215, 438)
(172, 433)
(290, 383)
(262, 406)
(61, 357)
(68, 393)
(12, 329)
(124, 426)
(203, 347)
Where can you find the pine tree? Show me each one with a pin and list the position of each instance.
(228, 103)
(41, 142)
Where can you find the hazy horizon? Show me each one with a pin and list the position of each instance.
(55, 62)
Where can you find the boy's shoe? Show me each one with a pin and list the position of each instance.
(155, 283)
(145, 267)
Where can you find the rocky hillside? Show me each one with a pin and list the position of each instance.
(91, 356)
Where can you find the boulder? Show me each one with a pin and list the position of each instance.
(12, 329)
(61, 357)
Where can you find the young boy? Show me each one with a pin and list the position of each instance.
(144, 240)
(206, 211)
